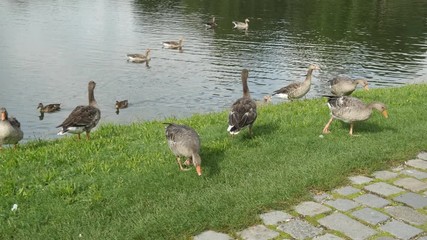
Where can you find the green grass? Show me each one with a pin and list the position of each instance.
(125, 184)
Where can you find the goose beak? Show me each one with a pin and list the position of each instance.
(3, 116)
(366, 87)
(385, 113)
(199, 170)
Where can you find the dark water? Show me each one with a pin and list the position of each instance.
(50, 50)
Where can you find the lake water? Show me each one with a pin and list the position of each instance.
(50, 50)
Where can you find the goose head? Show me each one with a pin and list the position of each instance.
(313, 67)
(3, 113)
(380, 107)
(246, 21)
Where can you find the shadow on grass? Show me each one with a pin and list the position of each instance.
(210, 158)
(366, 127)
(261, 130)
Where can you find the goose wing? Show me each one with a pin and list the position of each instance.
(82, 116)
(288, 89)
(243, 113)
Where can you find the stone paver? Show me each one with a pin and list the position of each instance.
(406, 214)
(412, 184)
(372, 200)
(211, 235)
(275, 217)
(342, 204)
(383, 189)
(386, 238)
(311, 208)
(327, 236)
(360, 179)
(370, 216)
(384, 175)
(401, 230)
(414, 173)
(346, 225)
(347, 190)
(322, 197)
(259, 232)
(422, 156)
(300, 229)
(412, 199)
(417, 163)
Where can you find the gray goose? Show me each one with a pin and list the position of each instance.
(82, 118)
(299, 89)
(344, 86)
(184, 141)
(49, 108)
(350, 110)
(174, 44)
(139, 58)
(241, 25)
(10, 129)
(243, 111)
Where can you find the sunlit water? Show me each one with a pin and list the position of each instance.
(50, 50)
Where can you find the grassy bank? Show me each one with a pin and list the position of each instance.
(125, 183)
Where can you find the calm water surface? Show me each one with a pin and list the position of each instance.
(51, 49)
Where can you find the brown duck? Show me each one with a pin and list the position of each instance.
(49, 108)
(10, 129)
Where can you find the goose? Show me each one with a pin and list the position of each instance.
(139, 58)
(121, 105)
(243, 111)
(211, 24)
(350, 110)
(10, 129)
(241, 25)
(298, 89)
(265, 101)
(174, 44)
(49, 108)
(184, 141)
(344, 86)
(82, 118)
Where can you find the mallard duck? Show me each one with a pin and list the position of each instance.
(173, 44)
(344, 86)
(350, 110)
(243, 111)
(83, 118)
(211, 24)
(121, 105)
(298, 89)
(10, 129)
(241, 25)
(184, 141)
(139, 58)
(49, 108)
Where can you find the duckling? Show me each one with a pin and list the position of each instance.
(121, 105)
(184, 141)
(211, 24)
(174, 44)
(241, 25)
(344, 86)
(83, 118)
(10, 129)
(140, 58)
(49, 108)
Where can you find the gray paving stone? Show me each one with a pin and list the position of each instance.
(386, 238)
(311, 208)
(258, 232)
(327, 236)
(414, 173)
(345, 191)
(401, 230)
(412, 184)
(299, 229)
(275, 217)
(383, 189)
(406, 214)
(372, 200)
(342, 204)
(412, 199)
(346, 225)
(370, 216)
(417, 163)
(398, 168)
(360, 179)
(322, 197)
(422, 156)
(422, 238)
(211, 235)
(384, 175)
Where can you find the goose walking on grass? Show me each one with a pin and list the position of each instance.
(49, 108)
(140, 58)
(10, 129)
(184, 141)
(121, 105)
(211, 24)
(243, 111)
(241, 25)
(82, 118)
(350, 110)
(174, 44)
(298, 89)
(344, 86)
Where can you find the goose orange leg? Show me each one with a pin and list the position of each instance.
(326, 128)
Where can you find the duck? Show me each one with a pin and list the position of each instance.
(351, 109)
(120, 105)
(84, 117)
(298, 89)
(174, 44)
(49, 108)
(184, 141)
(344, 86)
(139, 58)
(241, 25)
(243, 112)
(211, 24)
(10, 129)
